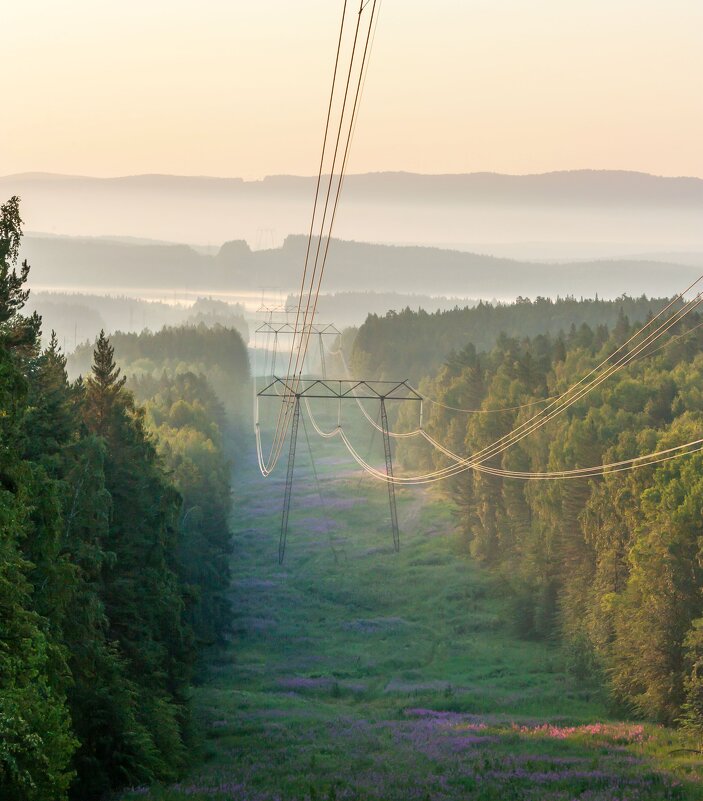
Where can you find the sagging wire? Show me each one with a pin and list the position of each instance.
(286, 406)
(476, 461)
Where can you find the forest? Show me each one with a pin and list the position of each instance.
(610, 566)
(351, 401)
(77, 317)
(536, 638)
(380, 347)
(210, 349)
(114, 546)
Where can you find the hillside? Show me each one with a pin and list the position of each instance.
(237, 272)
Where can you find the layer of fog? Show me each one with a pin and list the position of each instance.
(558, 216)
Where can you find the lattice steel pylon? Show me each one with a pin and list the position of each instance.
(323, 364)
(389, 473)
(280, 329)
(292, 390)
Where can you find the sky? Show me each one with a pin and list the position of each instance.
(239, 88)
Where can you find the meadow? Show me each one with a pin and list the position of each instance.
(354, 672)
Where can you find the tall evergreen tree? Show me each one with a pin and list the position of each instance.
(140, 587)
(36, 743)
(104, 397)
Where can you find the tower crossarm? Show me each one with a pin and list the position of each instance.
(340, 389)
(290, 328)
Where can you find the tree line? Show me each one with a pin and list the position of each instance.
(611, 566)
(114, 555)
(381, 346)
(213, 350)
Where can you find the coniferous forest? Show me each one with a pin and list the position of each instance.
(610, 566)
(351, 401)
(140, 656)
(114, 548)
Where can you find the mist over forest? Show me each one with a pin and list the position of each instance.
(568, 234)
(490, 589)
(351, 401)
(180, 272)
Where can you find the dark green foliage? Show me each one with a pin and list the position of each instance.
(216, 352)
(381, 346)
(189, 422)
(139, 583)
(96, 579)
(693, 684)
(36, 742)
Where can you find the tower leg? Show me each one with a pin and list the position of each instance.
(275, 352)
(389, 473)
(323, 366)
(289, 482)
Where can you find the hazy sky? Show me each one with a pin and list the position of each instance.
(239, 87)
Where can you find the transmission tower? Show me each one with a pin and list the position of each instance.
(340, 389)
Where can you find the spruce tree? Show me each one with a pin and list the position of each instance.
(141, 591)
(104, 387)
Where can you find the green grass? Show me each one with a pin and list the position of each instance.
(333, 650)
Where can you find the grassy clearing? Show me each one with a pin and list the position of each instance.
(358, 673)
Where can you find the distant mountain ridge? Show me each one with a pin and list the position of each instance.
(573, 215)
(584, 186)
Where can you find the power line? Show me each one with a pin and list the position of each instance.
(282, 424)
(476, 461)
(286, 406)
(310, 288)
(564, 401)
(634, 463)
(341, 175)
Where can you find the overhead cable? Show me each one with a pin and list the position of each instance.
(476, 461)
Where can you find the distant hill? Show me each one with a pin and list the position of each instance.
(578, 187)
(577, 214)
(95, 264)
(581, 187)
(165, 271)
